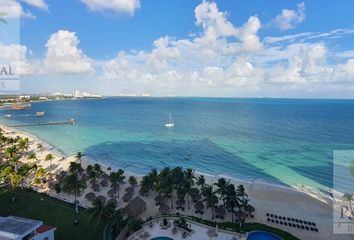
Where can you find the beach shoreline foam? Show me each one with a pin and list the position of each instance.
(85, 161)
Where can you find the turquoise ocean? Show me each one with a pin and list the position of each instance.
(282, 141)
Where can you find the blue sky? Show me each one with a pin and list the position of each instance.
(261, 48)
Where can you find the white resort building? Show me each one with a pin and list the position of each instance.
(16, 228)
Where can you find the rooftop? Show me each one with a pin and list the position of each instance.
(12, 227)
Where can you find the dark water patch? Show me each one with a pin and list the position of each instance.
(205, 156)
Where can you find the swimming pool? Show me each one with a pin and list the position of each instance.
(261, 235)
(162, 238)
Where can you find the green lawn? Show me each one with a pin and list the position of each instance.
(37, 206)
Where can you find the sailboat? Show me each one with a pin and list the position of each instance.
(170, 123)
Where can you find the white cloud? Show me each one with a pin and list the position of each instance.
(211, 19)
(14, 10)
(289, 18)
(221, 59)
(15, 55)
(249, 36)
(344, 72)
(125, 6)
(64, 56)
(37, 3)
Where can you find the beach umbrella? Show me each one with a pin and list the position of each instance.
(195, 191)
(115, 186)
(113, 201)
(129, 190)
(198, 206)
(93, 180)
(90, 196)
(126, 197)
(164, 209)
(250, 209)
(159, 199)
(196, 197)
(112, 192)
(95, 187)
(240, 215)
(104, 183)
(220, 211)
(84, 177)
(60, 177)
(102, 198)
(50, 184)
(180, 202)
(211, 233)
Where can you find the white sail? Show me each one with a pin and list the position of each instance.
(170, 122)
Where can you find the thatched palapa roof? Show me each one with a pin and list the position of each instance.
(90, 196)
(135, 207)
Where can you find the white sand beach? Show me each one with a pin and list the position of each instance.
(266, 198)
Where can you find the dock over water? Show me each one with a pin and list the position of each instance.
(69, 122)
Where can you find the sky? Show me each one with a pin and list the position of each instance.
(229, 48)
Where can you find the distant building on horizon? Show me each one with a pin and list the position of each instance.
(17, 228)
(78, 94)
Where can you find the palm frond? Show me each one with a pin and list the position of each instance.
(2, 15)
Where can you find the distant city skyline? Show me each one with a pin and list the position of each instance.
(295, 49)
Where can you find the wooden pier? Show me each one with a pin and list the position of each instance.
(69, 122)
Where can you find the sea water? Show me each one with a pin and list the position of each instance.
(282, 141)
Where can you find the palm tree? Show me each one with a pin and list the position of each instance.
(232, 199)
(100, 212)
(146, 185)
(32, 156)
(116, 221)
(189, 175)
(132, 181)
(222, 185)
(165, 184)
(241, 191)
(153, 175)
(40, 172)
(57, 188)
(90, 171)
(177, 175)
(11, 152)
(210, 198)
(74, 167)
(14, 161)
(97, 168)
(78, 156)
(349, 198)
(15, 179)
(22, 144)
(72, 185)
(116, 178)
(187, 190)
(49, 157)
(39, 146)
(201, 181)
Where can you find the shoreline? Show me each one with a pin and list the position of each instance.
(210, 178)
(266, 198)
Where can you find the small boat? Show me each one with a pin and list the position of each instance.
(188, 156)
(40, 114)
(8, 115)
(170, 123)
